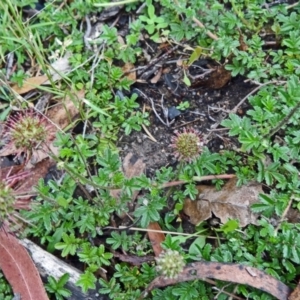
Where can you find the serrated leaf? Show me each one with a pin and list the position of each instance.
(230, 226)
(289, 266)
(87, 281)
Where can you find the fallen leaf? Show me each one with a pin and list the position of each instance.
(19, 269)
(30, 84)
(236, 273)
(215, 80)
(231, 202)
(157, 76)
(57, 69)
(10, 171)
(132, 166)
(156, 238)
(127, 69)
(38, 171)
(63, 113)
(295, 295)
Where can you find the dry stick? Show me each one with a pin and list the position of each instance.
(222, 291)
(200, 24)
(209, 33)
(284, 214)
(156, 60)
(152, 105)
(199, 178)
(260, 85)
(292, 5)
(236, 273)
(283, 121)
(161, 231)
(150, 136)
(87, 33)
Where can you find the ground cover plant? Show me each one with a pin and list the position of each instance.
(161, 139)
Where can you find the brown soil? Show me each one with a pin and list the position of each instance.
(197, 116)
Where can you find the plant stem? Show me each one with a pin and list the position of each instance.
(283, 121)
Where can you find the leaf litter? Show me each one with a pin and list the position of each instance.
(231, 202)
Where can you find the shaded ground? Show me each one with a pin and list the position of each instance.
(199, 116)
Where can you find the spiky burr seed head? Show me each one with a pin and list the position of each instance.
(27, 131)
(187, 144)
(170, 263)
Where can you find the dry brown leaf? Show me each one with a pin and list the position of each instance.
(156, 238)
(30, 84)
(19, 269)
(216, 80)
(28, 179)
(231, 202)
(132, 166)
(157, 76)
(63, 113)
(5, 172)
(60, 67)
(236, 273)
(295, 295)
(38, 171)
(131, 75)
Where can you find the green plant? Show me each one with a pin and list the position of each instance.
(57, 288)
(153, 22)
(5, 289)
(183, 105)
(231, 32)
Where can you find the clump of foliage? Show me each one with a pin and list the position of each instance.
(269, 137)
(5, 289)
(57, 288)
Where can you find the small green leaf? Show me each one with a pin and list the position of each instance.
(186, 80)
(94, 107)
(195, 55)
(229, 226)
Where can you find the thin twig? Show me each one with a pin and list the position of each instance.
(188, 123)
(156, 60)
(87, 33)
(222, 291)
(283, 121)
(260, 85)
(200, 24)
(152, 105)
(284, 213)
(163, 231)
